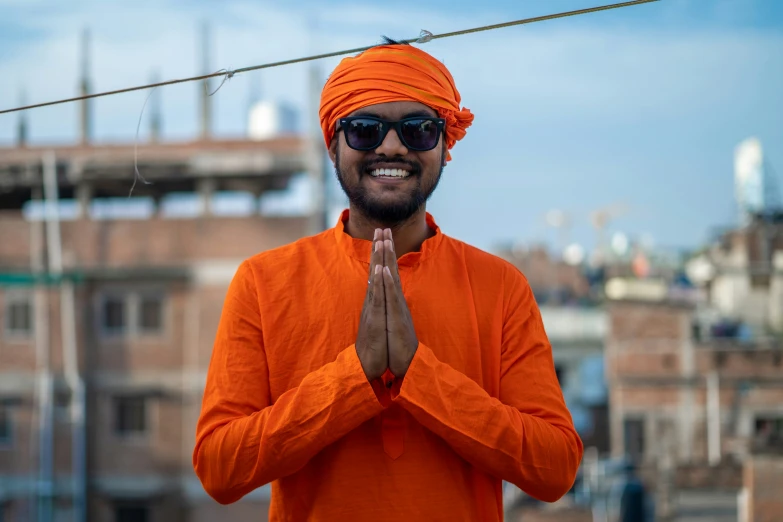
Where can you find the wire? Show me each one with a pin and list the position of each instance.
(424, 37)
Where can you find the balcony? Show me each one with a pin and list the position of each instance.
(574, 325)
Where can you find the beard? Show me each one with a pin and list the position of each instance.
(376, 209)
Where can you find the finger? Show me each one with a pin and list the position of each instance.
(378, 293)
(376, 255)
(390, 259)
(390, 294)
(387, 234)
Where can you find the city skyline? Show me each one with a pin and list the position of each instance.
(642, 105)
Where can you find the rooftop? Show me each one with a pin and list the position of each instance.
(108, 170)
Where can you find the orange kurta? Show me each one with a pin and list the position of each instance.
(287, 402)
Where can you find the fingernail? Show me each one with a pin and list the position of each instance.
(387, 244)
(377, 269)
(377, 231)
(377, 246)
(386, 269)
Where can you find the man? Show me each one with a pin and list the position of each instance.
(627, 498)
(381, 370)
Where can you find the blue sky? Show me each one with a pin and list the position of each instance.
(641, 106)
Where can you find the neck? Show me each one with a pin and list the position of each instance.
(408, 235)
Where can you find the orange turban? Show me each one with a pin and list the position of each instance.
(389, 73)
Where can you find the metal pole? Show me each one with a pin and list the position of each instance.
(68, 332)
(45, 381)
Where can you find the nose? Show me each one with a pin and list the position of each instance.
(391, 145)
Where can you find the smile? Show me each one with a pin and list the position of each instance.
(389, 173)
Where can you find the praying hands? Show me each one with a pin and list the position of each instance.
(386, 337)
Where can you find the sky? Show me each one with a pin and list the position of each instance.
(641, 106)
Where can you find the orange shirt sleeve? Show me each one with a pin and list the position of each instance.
(526, 435)
(245, 440)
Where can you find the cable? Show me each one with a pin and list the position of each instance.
(424, 37)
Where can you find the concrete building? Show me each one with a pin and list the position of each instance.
(577, 336)
(691, 411)
(137, 302)
(742, 274)
(709, 400)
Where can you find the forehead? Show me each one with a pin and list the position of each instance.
(395, 110)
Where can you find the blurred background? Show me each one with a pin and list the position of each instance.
(628, 162)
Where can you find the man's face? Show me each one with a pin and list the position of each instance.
(383, 198)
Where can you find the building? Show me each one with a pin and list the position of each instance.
(553, 281)
(691, 411)
(710, 400)
(142, 300)
(577, 336)
(754, 185)
(114, 263)
(760, 499)
(742, 276)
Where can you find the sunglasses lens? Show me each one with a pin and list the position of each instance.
(363, 134)
(420, 134)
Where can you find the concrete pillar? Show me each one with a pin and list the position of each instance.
(687, 397)
(206, 188)
(84, 194)
(616, 414)
(713, 418)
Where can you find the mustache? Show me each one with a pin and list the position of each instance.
(414, 167)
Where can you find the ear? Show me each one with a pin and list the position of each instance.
(333, 148)
(444, 155)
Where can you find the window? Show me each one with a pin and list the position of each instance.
(19, 316)
(130, 415)
(769, 430)
(5, 425)
(633, 436)
(113, 314)
(131, 513)
(62, 406)
(150, 314)
(559, 373)
(131, 313)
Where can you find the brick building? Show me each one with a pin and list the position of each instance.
(696, 405)
(142, 299)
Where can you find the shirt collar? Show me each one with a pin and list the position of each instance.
(359, 249)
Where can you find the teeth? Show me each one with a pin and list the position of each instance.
(390, 173)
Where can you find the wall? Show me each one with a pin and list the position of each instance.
(763, 484)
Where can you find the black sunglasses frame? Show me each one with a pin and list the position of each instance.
(387, 125)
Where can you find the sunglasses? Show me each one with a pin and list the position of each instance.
(368, 132)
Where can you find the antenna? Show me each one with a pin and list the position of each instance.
(155, 111)
(21, 129)
(84, 89)
(206, 109)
